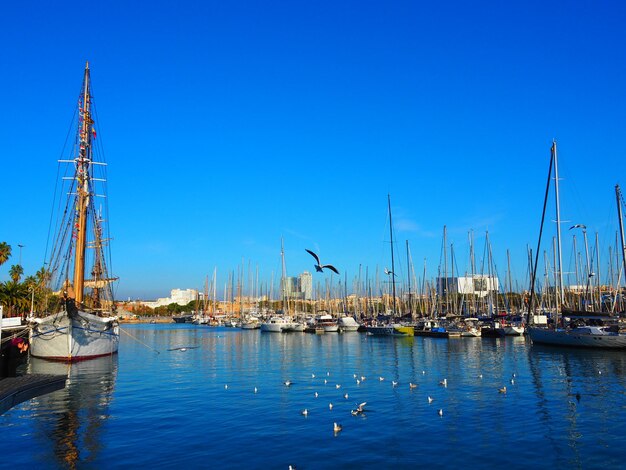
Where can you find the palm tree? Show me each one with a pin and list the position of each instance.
(5, 252)
(15, 297)
(16, 272)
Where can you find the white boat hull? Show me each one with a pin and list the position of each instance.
(83, 336)
(573, 339)
(348, 324)
(512, 330)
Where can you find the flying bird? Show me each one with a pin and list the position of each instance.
(388, 272)
(319, 267)
(584, 227)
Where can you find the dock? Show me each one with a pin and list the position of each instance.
(15, 390)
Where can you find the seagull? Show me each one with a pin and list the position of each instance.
(316, 394)
(319, 267)
(480, 376)
(312, 376)
(338, 386)
(584, 227)
(287, 383)
(430, 400)
(330, 406)
(381, 378)
(226, 387)
(255, 389)
(362, 378)
(359, 409)
(305, 412)
(328, 374)
(440, 412)
(325, 381)
(388, 272)
(512, 381)
(346, 396)
(444, 382)
(394, 383)
(337, 427)
(423, 372)
(412, 385)
(358, 382)
(502, 390)
(354, 376)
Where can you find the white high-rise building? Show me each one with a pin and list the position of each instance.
(305, 284)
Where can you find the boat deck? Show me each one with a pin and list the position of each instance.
(15, 390)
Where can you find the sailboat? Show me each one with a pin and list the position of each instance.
(79, 320)
(391, 328)
(575, 334)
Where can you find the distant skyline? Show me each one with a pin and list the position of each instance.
(228, 125)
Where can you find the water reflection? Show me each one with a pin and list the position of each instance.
(71, 419)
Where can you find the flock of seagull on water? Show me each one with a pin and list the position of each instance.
(360, 408)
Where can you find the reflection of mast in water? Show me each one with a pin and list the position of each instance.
(73, 416)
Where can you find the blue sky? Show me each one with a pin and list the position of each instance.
(227, 125)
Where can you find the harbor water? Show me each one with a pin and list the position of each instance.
(186, 396)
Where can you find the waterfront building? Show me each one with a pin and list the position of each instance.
(177, 296)
(478, 284)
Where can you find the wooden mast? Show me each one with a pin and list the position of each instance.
(82, 189)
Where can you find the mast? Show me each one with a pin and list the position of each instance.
(618, 196)
(82, 188)
(408, 268)
(558, 225)
(393, 267)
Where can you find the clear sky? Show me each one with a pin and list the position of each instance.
(228, 124)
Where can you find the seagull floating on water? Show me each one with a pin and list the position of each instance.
(305, 412)
(359, 409)
(338, 386)
(255, 389)
(440, 412)
(226, 387)
(381, 378)
(412, 385)
(512, 381)
(358, 382)
(346, 396)
(330, 406)
(287, 383)
(319, 267)
(316, 395)
(325, 381)
(394, 383)
(430, 400)
(444, 382)
(337, 427)
(362, 378)
(502, 390)
(312, 376)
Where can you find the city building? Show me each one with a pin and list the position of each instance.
(479, 285)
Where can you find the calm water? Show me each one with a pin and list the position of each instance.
(171, 409)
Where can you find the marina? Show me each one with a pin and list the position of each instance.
(218, 395)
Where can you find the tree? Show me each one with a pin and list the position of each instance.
(16, 272)
(15, 297)
(5, 252)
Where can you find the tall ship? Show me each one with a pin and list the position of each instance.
(77, 318)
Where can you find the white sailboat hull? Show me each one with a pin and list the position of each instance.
(574, 339)
(512, 330)
(82, 336)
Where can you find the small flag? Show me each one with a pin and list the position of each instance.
(93, 131)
